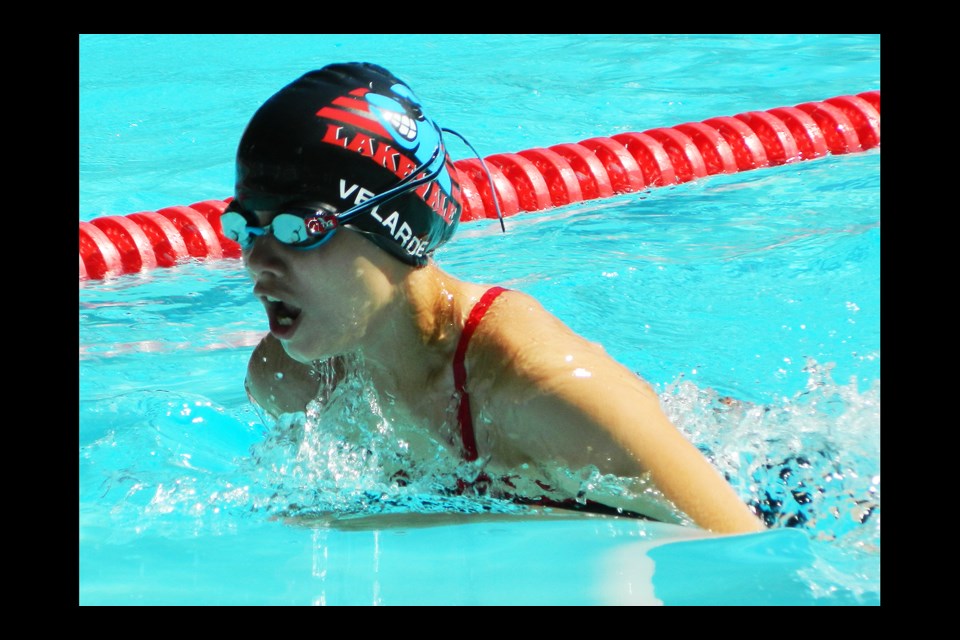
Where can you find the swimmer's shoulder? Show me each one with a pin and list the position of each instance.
(513, 312)
(517, 323)
(551, 393)
(525, 351)
(521, 344)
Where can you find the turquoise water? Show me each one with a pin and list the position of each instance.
(762, 285)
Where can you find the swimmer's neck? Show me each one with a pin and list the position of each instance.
(410, 351)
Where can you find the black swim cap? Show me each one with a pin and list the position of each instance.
(344, 134)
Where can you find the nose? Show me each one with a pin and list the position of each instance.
(264, 258)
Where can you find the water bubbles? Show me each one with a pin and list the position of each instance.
(810, 461)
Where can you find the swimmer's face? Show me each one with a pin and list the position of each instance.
(319, 302)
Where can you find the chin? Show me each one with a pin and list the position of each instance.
(305, 355)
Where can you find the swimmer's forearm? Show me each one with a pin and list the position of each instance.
(702, 493)
(686, 477)
(618, 426)
(678, 468)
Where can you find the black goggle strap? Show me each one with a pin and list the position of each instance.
(493, 191)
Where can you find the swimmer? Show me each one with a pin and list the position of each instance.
(344, 190)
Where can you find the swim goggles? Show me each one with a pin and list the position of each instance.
(299, 227)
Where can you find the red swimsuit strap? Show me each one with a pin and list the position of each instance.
(460, 369)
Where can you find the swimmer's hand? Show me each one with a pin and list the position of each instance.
(277, 382)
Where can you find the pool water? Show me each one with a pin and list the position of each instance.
(761, 286)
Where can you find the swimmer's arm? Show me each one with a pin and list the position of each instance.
(567, 400)
(277, 382)
(629, 434)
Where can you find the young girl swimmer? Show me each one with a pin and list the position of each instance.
(344, 190)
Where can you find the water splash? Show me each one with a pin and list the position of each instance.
(343, 457)
(161, 460)
(810, 461)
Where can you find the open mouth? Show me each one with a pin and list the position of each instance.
(283, 317)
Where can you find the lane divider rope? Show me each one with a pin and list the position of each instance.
(534, 179)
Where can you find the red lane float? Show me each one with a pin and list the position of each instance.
(864, 116)
(593, 178)
(836, 127)
(748, 151)
(809, 138)
(534, 179)
(506, 192)
(651, 156)
(563, 186)
(625, 173)
(136, 250)
(774, 135)
(528, 183)
(714, 149)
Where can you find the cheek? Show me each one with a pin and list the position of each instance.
(329, 328)
(346, 305)
(338, 309)
(342, 291)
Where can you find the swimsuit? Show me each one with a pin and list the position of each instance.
(460, 370)
(468, 436)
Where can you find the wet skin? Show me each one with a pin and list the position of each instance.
(548, 396)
